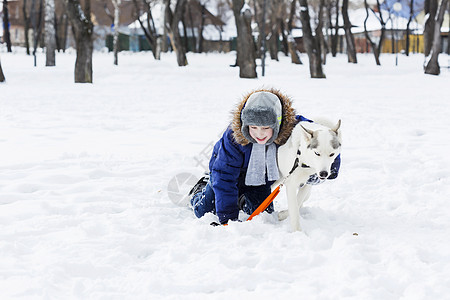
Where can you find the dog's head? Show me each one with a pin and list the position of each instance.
(322, 148)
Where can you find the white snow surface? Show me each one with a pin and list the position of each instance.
(84, 205)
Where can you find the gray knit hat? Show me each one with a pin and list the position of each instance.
(261, 109)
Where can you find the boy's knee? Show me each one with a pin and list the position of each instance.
(197, 205)
(201, 205)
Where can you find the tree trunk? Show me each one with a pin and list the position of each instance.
(376, 54)
(167, 18)
(428, 32)
(335, 34)
(156, 42)
(185, 36)
(274, 30)
(261, 43)
(319, 32)
(116, 4)
(273, 42)
(83, 63)
(393, 34)
(26, 23)
(284, 38)
(259, 17)
(6, 34)
(383, 28)
(411, 13)
(292, 46)
(246, 54)
(149, 31)
(2, 76)
(448, 35)
(64, 37)
(58, 22)
(351, 50)
(311, 43)
(83, 28)
(200, 32)
(37, 26)
(432, 67)
(50, 37)
(191, 22)
(177, 43)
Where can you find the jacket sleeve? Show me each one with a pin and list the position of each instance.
(225, 170)
(335, 167)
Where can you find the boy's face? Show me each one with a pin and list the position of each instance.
(261, 134)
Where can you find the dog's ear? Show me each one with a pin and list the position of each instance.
(308, 133)
(336, 128)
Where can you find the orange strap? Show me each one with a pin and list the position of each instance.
(265, 203)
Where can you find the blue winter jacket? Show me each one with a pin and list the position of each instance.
(228, 167)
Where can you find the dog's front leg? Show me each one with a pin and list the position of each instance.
(303, 194)
(293, 208)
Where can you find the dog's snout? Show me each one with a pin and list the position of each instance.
(323, 174)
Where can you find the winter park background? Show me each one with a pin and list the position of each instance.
(85, 210)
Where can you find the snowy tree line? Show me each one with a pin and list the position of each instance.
(260, 25)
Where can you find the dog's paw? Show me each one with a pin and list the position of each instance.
(296, 228)
(282, 215)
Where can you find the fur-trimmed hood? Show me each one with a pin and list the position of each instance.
(287, 124)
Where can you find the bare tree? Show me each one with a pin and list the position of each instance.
(116, 5)
(36, 21)
(246, 53)
(172, 21)
(274, 28)
(191, 22)
(448, 36)
(319, 31)
(351, 50)
(149, 30)
(201, 28)
(26, 22)
(281, 21)
(50, 36)
(335, 27)
(259, 16)
(432, 67)
(167, 19)
(380, 18)
(428, 32)
(185, 39)
(6, 34)
(374, 47)
(83, 28)
(311, 43)
(115, 23)
(411, 14)
(295, 58)
(2, 76)
(61, 33)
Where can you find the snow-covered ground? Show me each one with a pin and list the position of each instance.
(85, 211)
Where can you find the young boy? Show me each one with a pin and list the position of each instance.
(243, 164)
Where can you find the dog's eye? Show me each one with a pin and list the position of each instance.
(317, 153)
(332, 154)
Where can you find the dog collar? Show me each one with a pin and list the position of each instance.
(296, 163)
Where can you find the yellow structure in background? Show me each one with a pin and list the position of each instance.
(415, 44)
